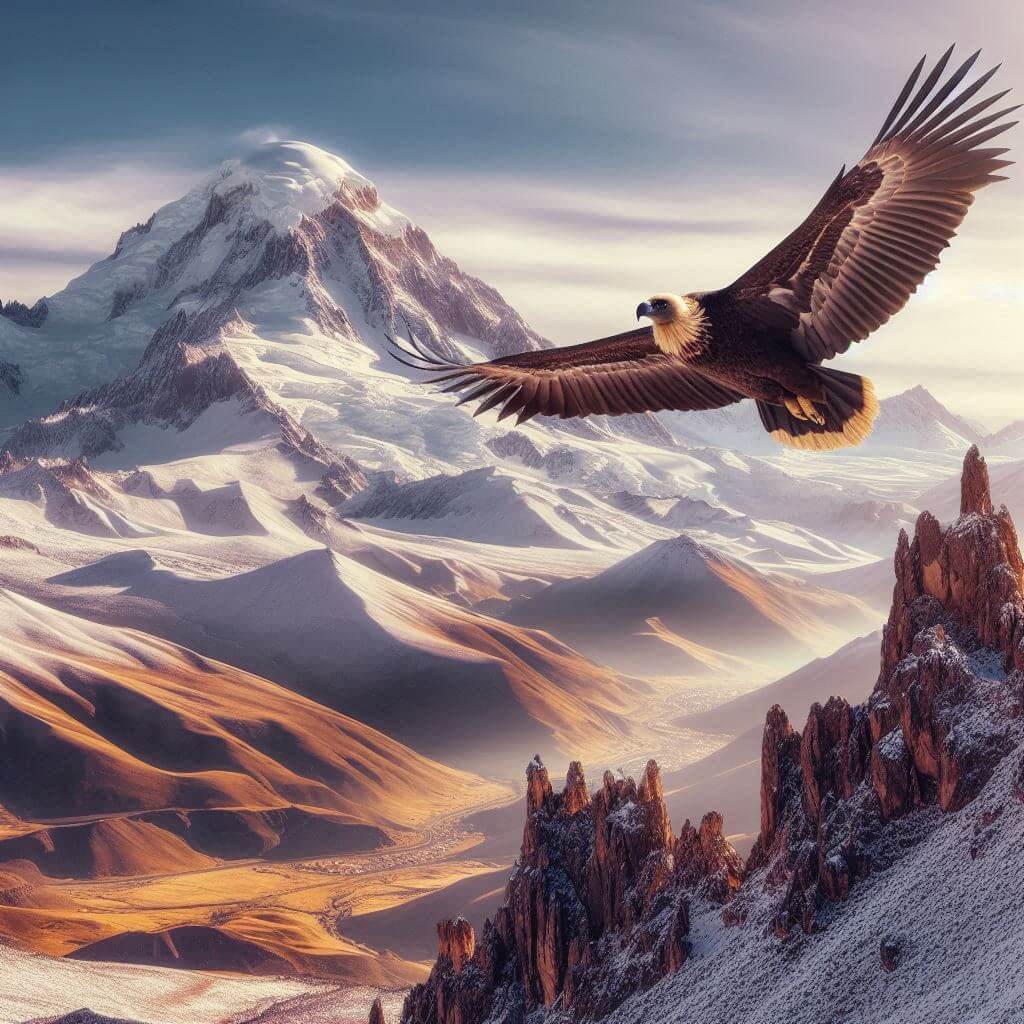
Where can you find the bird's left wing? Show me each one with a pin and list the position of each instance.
(626, 373)
(879, 229)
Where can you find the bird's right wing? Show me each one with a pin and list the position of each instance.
(880, 228)
(626, 373)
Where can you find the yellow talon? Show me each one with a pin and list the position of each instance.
(810, 412)
(794, 408)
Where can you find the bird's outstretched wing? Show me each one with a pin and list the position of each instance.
(879, 229)
(626, 373)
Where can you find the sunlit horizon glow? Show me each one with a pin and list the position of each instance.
(553, 170)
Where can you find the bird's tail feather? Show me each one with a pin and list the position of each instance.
(848, 410)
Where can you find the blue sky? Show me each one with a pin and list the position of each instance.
(572, 154)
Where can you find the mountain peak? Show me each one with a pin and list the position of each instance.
(291, 180)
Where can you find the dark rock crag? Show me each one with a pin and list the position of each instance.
(26, 316)
(931, 732)
(376, 1012)
(598, 906)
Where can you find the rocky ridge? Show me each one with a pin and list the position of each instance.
(599, 905)
(26, 316)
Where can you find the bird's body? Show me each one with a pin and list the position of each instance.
(854, 262)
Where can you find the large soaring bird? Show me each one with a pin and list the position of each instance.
(855, 261)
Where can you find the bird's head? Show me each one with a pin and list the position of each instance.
(664, 308)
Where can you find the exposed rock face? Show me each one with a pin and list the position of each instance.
(11, 376)
(706, 860)
(456, 942)
(184, 370)
(780, 778)
(26, 316)
(124, 296)
(889, 954)
(932, 730)
(596, 909)
(390, 267)
(376, 1012)
(966, 577)
(142, 228)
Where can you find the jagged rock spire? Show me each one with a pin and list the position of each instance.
(538, 785)
(376, 1012)
(596, 909)
(456, 941)
(975, 491)
(958, 590)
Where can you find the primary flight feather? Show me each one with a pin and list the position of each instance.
(855, 261)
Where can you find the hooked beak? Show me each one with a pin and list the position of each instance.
(644, 309)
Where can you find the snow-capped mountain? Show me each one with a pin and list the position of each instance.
(912, 419)
(1009, 440)
(916, 419)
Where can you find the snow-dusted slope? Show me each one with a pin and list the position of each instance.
(1007, 441)
(699, 595)
(916, 419)
(954, 914)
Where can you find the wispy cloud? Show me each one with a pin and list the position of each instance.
(62, 215)
(261, 134)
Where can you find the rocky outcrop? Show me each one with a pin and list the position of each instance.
(965, 577)
(597, 908)
(456, 942)
(599, 905)
(931, 732)
(889, 954)
(142, 228)
(11, 376)
(26, 316)
(376, 1012)
(124, 296)
(706, 861)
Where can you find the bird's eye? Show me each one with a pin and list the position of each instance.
(660, 303)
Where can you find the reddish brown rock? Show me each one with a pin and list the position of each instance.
(889, 954)
(455, 941)
(706, 861)
(968, 576)
(376, 1012)
(576, 797)
(975, 492)
(934, 727)
(834, 749)
(598, 907)
(892, 775)
(780, 779)
(595, 910)
(538, 785)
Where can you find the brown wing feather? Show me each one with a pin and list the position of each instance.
(626, 373)
(880, 229)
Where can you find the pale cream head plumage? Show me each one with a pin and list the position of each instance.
(677, 322)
